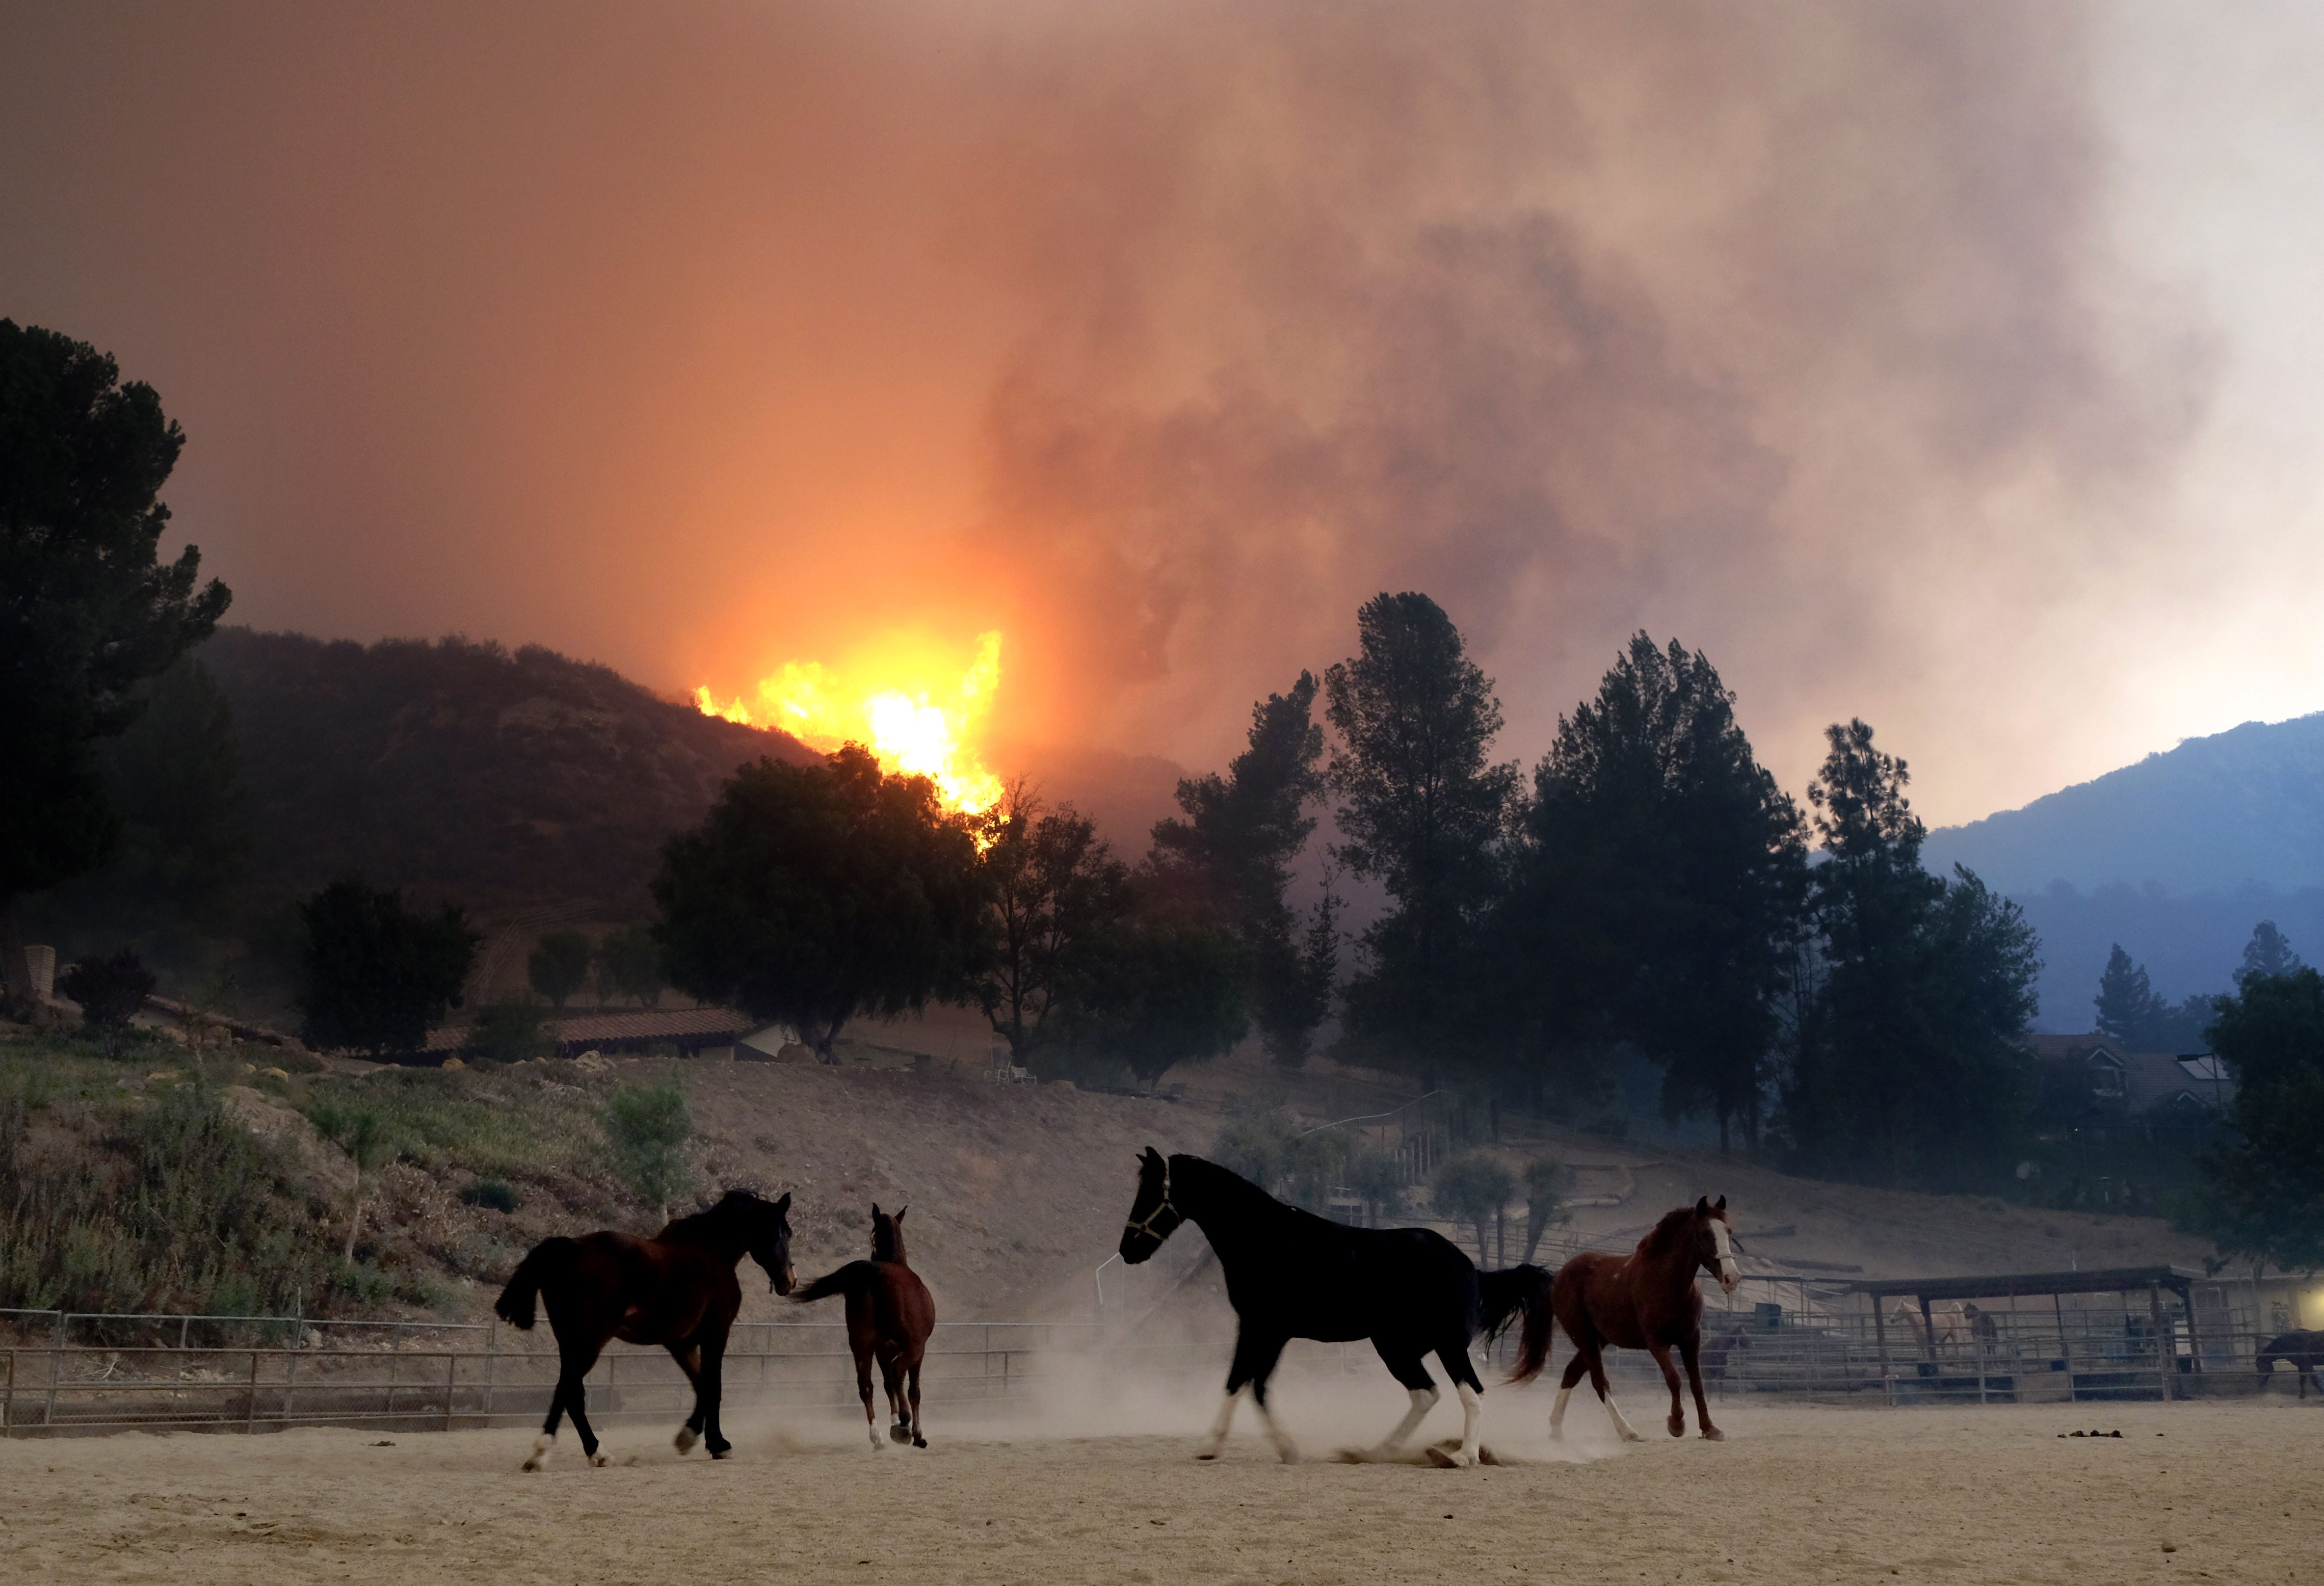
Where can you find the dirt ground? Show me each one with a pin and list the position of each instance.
(1104, 1490)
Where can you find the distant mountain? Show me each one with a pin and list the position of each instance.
(2176, 858)
(2216, 814)
(466, 772)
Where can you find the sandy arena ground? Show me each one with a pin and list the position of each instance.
(2219, 1491)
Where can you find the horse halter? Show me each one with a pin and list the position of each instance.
(1145, 1225)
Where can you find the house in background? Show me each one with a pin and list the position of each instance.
(2091, 1085)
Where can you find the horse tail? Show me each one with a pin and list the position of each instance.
(548, 1260)
(851, 1280)
(1521, 1291)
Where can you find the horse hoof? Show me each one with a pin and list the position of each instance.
(1206, 1456)
(1714, 1434)
(685, 1440)
(919, 1442)
(601, 1460)
(1447, 1458)
(1678, 1426)
(530, 1466)
(719, 1453)
(899, 1433)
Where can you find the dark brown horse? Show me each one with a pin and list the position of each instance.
(2303, 1351)
(1646, 1301)
(676, 1289)
(889, 1316)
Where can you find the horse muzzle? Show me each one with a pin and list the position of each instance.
(1731, 1277)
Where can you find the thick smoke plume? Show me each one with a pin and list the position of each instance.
(699, 338)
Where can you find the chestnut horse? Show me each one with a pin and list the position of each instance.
(1648, 1301)
(676, 1289)
(889, 1316)
(2302, 1351)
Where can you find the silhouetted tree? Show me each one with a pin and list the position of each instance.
(1423, 810)
(1661, 875)
(2127, 1006)
(111, 992)
(632, 963)
(559, 966)
(2263, 1200)
(1914, 1069)
(2268, 952)
(378, 974)
(1053, 891)
(87, 612)
(1233, 853)
(1162, 988)
(1473, 1187)
(811, 894)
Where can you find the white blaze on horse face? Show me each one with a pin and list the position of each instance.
(1729, 1274)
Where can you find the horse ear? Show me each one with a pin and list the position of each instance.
(875, 1208)
(785, 1203)
(1722, 1204)
(900, 1217)
(1702, 1206)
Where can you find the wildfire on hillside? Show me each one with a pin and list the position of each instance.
(909, 709)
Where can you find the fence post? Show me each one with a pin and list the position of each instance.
(8, 1397)
(289, 1377)
(451, 1381)
(2166, 1361)
(56, 1366)
(492, 1359)
(250, 1419)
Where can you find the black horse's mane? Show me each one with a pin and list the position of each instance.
(1223, 1184)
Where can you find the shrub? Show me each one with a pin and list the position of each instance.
(491, 1194)
(203, 1219)
(514, 1029)
(110, 991)
(1473, 1187)
(1546, 1181)
(648, 1126)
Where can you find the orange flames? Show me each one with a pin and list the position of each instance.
(896, 701)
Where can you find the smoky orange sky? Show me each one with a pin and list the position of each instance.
(1942, 364)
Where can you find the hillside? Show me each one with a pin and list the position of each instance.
(2176, 858)
(463, 770)
(2239, 808)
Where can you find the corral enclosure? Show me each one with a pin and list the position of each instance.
(1096, 1485)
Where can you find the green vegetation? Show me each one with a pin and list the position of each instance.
(2263, 1199)
(159, 1203)
(440, 1120)
(1546, 1181)
(89, 611)
(631, 964)
(648, 1126)
(1472, 1188)
(559, 966)
(110, 991)
(378, 974)
(512, 1030)
(814, 893)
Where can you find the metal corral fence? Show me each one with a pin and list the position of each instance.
(172, 1371)
(110, 1373)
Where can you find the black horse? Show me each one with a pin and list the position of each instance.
(676, 1289)
(1291, 1274)
(2303, 1351)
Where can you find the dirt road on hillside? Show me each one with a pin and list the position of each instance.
(2190, 1492)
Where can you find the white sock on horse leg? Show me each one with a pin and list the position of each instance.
(1622, 1429)
(1424, 1399)
(1285, 1449)
(1557, 1413)
(543, 1445)
(1472, 1410)
(1219, 1427)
